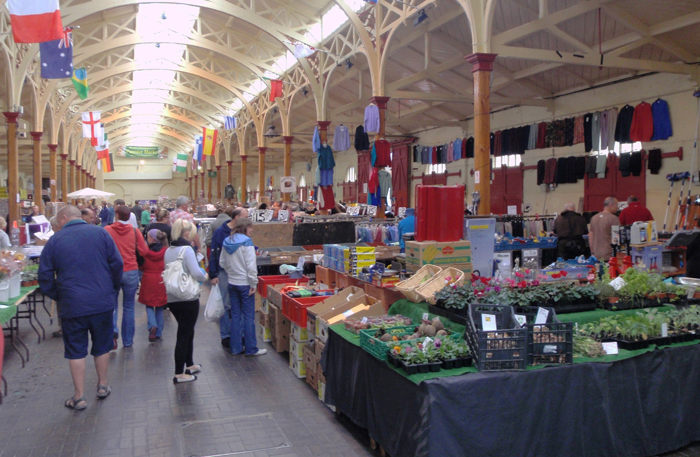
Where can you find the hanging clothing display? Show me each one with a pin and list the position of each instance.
(532, 137)
(580, 167)
(381, 154)
(642, 128)
(373, 180)
(624, 165)
(588, 132)
(416, 153)
(624, 124)
(497, 145)
(591, 164)
(450, 152)
(426, 155)
(469, 148)
(370, 233)
(654, 161)
(325, 157)
(601, 165)
(541, 135)
(384, 178)
(371, 118)
(434, 155)
(569, 131)
(492, 138)
(457, 149)
(326, 177)
(550, 171)
(612, 125)
(375, 198)
(317, 176)
(540, 171)
(341, 138)
(328, 198)
(604, 129)
(439, 158)
(662, 120)
(361, 139)
(636, 163)
(316, 140)
(578, 130)
(595, 131)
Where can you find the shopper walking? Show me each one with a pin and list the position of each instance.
(162, 223)
(218, 275)
(600, 236)
(137, 210)
(185, 312)
(86, 307)
(128, 241)
(104, 215)
(132, 219)
(238, 260)
(152, 292)
(181, 212)
(146, 216)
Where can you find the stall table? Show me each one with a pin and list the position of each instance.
(637, 403)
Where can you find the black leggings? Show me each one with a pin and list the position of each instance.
(185, 313)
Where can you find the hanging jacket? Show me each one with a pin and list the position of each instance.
(624, 124)
(316, 140)
(372, 118)
(662, 120)
(361, 139)
(325, 158)
(642, 128)
(229, 192)
(341, 138)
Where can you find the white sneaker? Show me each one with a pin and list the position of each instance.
(260, 352)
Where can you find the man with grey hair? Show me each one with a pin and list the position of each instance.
(54, 224)
(570, 227)
(86, 307)
(600, 237)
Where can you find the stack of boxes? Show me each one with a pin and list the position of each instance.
(456, 254)
(348, 259)
(298, 340)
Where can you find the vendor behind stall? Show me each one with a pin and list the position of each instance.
(570, 227)
(408, 225)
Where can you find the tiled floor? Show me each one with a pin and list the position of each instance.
(238, 406)
(248, 407)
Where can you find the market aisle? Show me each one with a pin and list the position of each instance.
(236, 405)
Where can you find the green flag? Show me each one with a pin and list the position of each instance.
(80, 83)
(181, 165)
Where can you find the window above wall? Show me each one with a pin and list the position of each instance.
(512, 160)
(351, 175)
(436, 168)
(621, 148)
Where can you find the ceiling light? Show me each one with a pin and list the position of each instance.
(157, 45)
(163, 16)
(348, 64)
(271, 132)
(142, 162)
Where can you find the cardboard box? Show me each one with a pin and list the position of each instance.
(264, 334)
(339, 314)
(310, 356)
(318, 347)
(311, 378)
(419, 253)
(274, 294)
(358, 257)
(322, 391)
(300, 333)
(385, 281)
(296, 349)
(387, 295)
(319, 374)
(263, 318)
(298, 367)
(280, 342)
(328, 304)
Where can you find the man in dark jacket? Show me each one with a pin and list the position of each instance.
(137, 210)
(86, 307)
(570, 227)
(105, 215)
(217, 242)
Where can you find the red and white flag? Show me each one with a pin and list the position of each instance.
(91, 126)
(35, 21)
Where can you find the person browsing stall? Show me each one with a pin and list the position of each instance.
(635, 212)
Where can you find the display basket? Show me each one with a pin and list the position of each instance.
(421, 277)
(504, 349)
(379, 348)
(428, 290)
(551, 343)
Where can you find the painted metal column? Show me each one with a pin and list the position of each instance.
(482, 66)
(73, 181)
(323, 135)
(261, 172)
(78, 180)
(12, 166)
(53, 172)
(230, 171)
(218, 181)
(244, 179)
(210, 180)
(64, 176)
(287, 163)
(36, 162)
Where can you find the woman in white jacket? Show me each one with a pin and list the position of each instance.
(238, 260)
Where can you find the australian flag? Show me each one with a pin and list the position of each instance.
(57, 57)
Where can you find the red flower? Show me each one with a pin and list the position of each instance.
(484, 280)
(519, 275)
(563, 273)
(522, 284)
(535, 283)
(556, 275)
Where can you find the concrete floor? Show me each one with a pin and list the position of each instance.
(248, 407)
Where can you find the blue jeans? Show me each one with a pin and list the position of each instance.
(130, 282)
(155, 319)
(225, 320)
(242, 315)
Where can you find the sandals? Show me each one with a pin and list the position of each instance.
(177, 380)
(74, 404)
(194, 369)
(103, 391)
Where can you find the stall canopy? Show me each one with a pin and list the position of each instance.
(89, 192)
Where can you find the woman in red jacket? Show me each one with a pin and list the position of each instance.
(152, 292)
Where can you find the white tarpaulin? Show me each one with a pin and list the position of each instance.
(90, 193)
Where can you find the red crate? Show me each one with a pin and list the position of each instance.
(288, 303)
(297, 308)
(264, 281)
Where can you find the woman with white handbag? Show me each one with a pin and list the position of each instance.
(180, 277)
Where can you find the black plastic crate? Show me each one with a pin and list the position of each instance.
(504, 349)
(551, 343)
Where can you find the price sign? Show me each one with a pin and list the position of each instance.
(530, 253)
(288, 184)
(364, 320)
(522, 320)
(488, 322)
(371, 210)
(542, 315)
(426, 316)
(261, 215)
(402, 211)
(283, 215)
(610, 348)
(353, 211)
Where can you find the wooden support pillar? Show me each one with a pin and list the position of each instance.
(36, 162)
(218, 181)
(196, 185)
(261, 172)
(201, 175)
(230, 171)
(12, 166)
(73, 180)
(381, 103)
(53, 172)
(64, 177)
(244, 179)
(189, 187)
(482, 66)
(288, 162)
(84, 178)
(210, 180)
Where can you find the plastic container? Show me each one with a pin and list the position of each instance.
(264, 281)
(5, 290)
(15, 284)
(439, 213)
(551, 343)
(504, 349)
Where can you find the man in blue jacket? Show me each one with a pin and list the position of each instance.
(408, 225)
(217, 241)
(85, 306)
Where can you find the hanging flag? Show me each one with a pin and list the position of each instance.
(35, 21)
(229, 122)
(57, 57)
(91, 126)
(275, 89)
(301, 50)
(80, 83)
(102, 142)
(197, 154)
(105, 160)
(209, 141)
(181, 162)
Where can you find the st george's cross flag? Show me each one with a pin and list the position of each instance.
(57, 57)
(91, 126)
(197, 154)
(35, 21)
(209, 141)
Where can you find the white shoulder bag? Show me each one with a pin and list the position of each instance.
(179, 284)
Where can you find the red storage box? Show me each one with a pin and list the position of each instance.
(439, 213)
(287, 306)
(297, 308)
(264, 281)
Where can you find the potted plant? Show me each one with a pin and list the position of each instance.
(454, 355)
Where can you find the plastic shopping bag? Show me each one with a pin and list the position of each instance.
(215, 306)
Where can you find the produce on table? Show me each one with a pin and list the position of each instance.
(354, 325)
(586, 346)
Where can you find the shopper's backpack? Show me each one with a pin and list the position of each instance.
(180, 285)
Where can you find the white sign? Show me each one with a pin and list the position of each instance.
(365, 188)
(371, 210)
(477, 177)
(542, 315)
(530, 253)
(513, 210)
(353, 211)
(488, 322)
(301, 262)
(261, 215)
(522, 320)
(426, 316)
(402, 211)
(288, 184)
(664, 330)
(53, 182)
(610, 348)
(283, 215)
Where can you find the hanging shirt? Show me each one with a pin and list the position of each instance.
(457, 149)
(425, 155)
(469, 150)
(361, 139)
(612, 124)
(662, 120)
(569, 131)
(624, 124)
(384, 182)
(450, 152)
(328, 198)
(325, 157)
(316, 140)
(578, 130)
(642, 128)
(373, 181)
(341, 138)
(588, 131)
(604, 129)
(541, 135)
(532, 137)
(381, 154)
(372, 118)
(601, 165)
(595, 131)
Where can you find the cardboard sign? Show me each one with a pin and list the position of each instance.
(522, 320)
(261, 215)
(402, 211)
(488, 322)
(513, 210)
(353, 211)
(542, 315)
(288, 184)
(610, 348)
(283, 215)
(371, 210)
